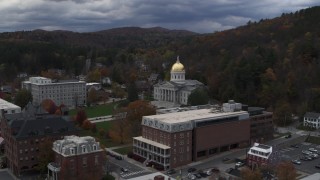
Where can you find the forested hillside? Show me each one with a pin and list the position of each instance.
(271, 63)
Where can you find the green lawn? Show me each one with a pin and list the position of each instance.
(96, 111)
(124, 150)
(106, 125)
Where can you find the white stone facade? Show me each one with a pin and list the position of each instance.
(177, 90)
(69, 93)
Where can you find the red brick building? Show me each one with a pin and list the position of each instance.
(77, 158)
(261, 125)
(176, 139)
(259, 155)
(24, 132)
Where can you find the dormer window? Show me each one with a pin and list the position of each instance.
(84, 149)
(72, 151)
(94, 147)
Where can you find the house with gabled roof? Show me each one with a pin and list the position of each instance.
(311, 119)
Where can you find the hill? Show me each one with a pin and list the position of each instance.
(272, 63)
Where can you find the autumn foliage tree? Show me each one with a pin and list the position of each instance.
(135, 111)
(49, 106)
(81, 116)
(249, 174)
(286, 171)
(86, 125)
(128, 120)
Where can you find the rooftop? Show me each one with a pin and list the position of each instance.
(186, 116)
(7, 105)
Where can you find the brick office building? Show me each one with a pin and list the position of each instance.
(77, 158)
(259, 155)
(176, 139)
(24, 133)
(261, 124)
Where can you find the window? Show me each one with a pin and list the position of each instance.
(94, 147)
(84, 162)
(71, 150)
(181, 135)
(96, 160)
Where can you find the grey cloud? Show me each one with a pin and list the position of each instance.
(93, 15)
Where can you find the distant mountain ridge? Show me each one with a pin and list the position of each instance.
(116, 37)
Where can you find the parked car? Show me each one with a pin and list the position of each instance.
(306, 152)
(192, 176)
(203, 174)
(215, 169)
(124, 169)
(192, 169)
(197, 175)
(119, 157)
(313, 150)
(296, 162)
(295, 145)
(239, 164)
(317, 166)
(171, 171)
(313, 155)
(288, 136)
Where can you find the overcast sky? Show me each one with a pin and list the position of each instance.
(202, 16)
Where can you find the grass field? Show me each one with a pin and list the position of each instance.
(106, 125)
(96, 111)
(124, 150)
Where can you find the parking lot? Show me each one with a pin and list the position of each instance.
(293, 153)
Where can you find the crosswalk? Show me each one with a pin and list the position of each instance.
(133, 173)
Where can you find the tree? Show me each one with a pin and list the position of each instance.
(46, 155)
(49, 106)
(132, 92)
(119, 128)
(248, 174)
(118, 91)
(23, 97)
(198, 97)
(135, 111)
(92, 96)
(286, 171)
(86, 125)
(81, 116)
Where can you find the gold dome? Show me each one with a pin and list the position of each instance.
(177, 67)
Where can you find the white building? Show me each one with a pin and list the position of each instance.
(178, 89)
(70, 93)
(8, 108)
(258, 155)
(312, 120)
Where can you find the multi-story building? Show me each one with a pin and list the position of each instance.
(67, 92)
(8, 108)
(176, 139)
(178, 89)
(261, 124)
(259, 155)
(25, 131)
(77, 158)
(312, 119)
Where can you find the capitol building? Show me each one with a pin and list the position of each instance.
(177, 90)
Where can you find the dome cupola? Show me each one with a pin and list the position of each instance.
(177, 71)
